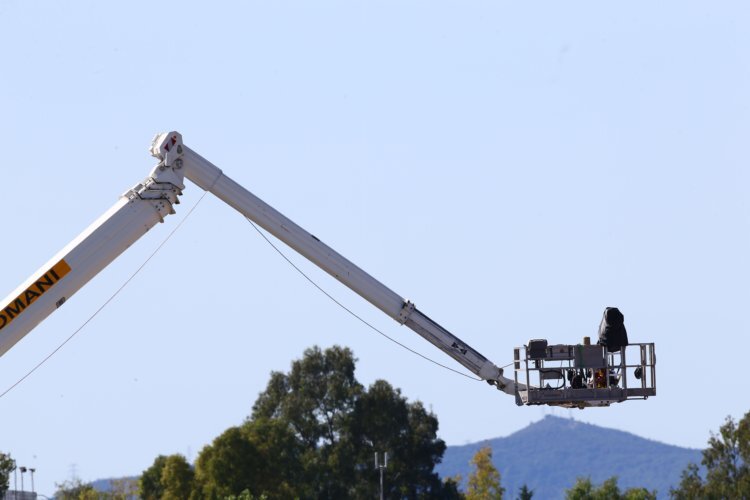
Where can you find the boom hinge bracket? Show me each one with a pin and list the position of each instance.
(405, 312)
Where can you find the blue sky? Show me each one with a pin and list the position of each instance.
(512, 169)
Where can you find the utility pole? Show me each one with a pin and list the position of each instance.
(381, 466)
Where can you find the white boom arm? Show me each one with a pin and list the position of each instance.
(149, 202)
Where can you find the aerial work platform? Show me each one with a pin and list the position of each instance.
(583, 375)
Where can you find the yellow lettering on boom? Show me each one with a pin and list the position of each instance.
(17, 306)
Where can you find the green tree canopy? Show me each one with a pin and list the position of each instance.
(314, 397)
(169, 477)
(313, 400)
(484, 482)
(149, 485)
(7, 465)
(313, 433)
(228, 466)
(583, 489)
(727, 463)
(525, 493)
(384, 421)
(260, 457)
(176, 478)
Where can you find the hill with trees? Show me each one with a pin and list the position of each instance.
(549, 455)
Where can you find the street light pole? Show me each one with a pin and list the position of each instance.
(381, 467)
(32, 470)
(23, 470)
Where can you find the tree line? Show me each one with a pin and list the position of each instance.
(313, 432)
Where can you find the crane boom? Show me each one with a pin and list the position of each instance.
(147, 203)
(134, 213)
(210, 178)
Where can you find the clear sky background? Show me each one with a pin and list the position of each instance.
(511, 168)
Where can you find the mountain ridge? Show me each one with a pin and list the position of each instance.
(550, 454)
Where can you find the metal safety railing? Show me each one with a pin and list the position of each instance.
(579, 376)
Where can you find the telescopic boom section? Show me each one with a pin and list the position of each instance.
(147, 203)
(137, 211)
(169, 149)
